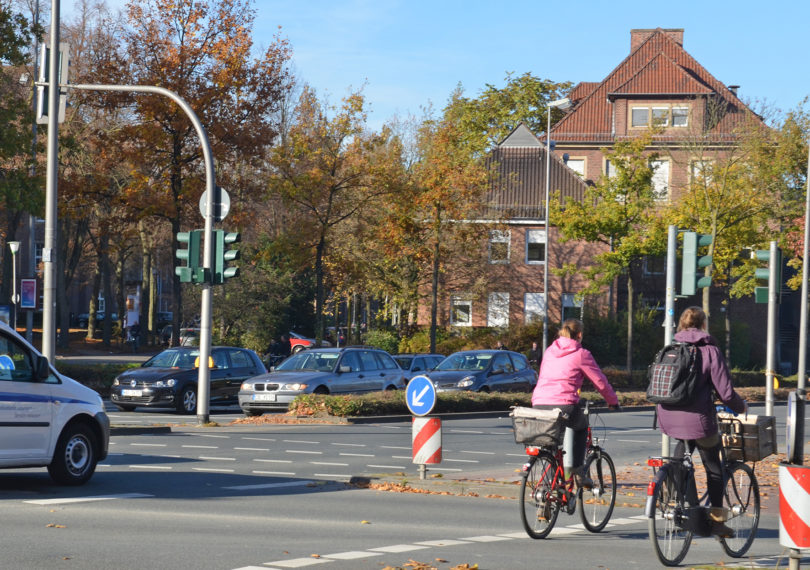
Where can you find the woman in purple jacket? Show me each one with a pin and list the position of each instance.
(564, 367)
(696, 423)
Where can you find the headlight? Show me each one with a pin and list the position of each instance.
(115, 382)
(165, 383)
(293, 387)
(466, 382)
(246, 386)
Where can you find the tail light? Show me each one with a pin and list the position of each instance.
(650, 488)
(655, 462)
(531, 450)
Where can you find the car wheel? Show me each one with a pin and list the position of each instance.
(484, 389)
(75, 456)
(124, 408)
(252, 413)
(187, 400)
(321, 390)
(390, 387)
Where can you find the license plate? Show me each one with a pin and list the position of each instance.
(264, 397)
(136, 393)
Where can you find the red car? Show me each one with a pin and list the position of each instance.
(298, 342)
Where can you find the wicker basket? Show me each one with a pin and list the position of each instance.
(538, 427)
(751, 438)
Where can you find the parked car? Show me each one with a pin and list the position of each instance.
(484, 371)
(169, 379)
(414, 364)
(348, 370)
(48, 419)
(84, 319)
(299, 342)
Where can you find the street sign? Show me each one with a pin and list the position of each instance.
(420, 395)
(222, 204)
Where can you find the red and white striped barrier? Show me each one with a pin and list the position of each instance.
(794, 506)
(426, 438)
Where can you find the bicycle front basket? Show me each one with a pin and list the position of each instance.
(538, 427)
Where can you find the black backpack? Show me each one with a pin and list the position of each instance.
(674, 375)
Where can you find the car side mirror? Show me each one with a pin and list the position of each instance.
(41, 369)
(496, 371)
(345, 369)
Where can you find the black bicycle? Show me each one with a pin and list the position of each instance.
(676, 514)
(545, 490)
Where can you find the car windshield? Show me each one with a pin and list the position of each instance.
(173, 358)
(465, 361)
(310, 360)
(404, 361)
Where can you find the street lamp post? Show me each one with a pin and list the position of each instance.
(14, 246)
(561, 104)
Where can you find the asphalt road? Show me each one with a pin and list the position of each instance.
(281, 496)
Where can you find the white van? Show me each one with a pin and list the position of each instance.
(47, 419)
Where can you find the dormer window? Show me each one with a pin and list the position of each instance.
(659, 115)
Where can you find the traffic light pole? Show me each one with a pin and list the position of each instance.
(669, 306)
(773, 290)
(205, 309)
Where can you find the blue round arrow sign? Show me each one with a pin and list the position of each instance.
(420, 395)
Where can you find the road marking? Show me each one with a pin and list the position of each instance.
(269, 485)
(386, 466)
(444, 469)
(307, 452)
(213, 436)
(398, 548)
(208, 458)
(402, 457)
(358, 454)
(201, 446)
(272, 460)
(259, 438)
(300, 441)
(352, 555)
(633, 440)
(328, 463)
(623, 521)
(515, 535)
(463, 460)
(328, 475)
(150, 467)
(87, 499)
(251, 449)
(449, 542)
(284, 473)
(297, 562)
(394, 447)
(479, 452)
(486, 538)
(149, 445)
(465, 431)
(351, 444)
(213, 470)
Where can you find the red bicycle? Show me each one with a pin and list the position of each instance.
(545, 490)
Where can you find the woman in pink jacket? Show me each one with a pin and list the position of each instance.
(564, 366)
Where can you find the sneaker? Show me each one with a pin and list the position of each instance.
(581, 479)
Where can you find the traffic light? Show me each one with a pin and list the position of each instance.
(222, 256)
(764, 273)
(690, 280)
(190, 272)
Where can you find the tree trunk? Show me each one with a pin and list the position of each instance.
(629, 323)
(106, 276)
(146, 317)
(319, 289)
(434, 295)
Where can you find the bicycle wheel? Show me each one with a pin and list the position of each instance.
(539, 506)
(596, 504)
(741, 498)
(670, 540)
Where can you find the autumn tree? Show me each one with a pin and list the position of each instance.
(619, 212)
(328, 169)
(201, 50)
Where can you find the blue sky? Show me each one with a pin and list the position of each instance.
(406, 54)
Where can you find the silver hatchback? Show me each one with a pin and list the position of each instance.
(348, 370)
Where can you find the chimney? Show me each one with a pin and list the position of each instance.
(639, 36)
(733, 89)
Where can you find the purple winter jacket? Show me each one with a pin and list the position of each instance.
(699, 418)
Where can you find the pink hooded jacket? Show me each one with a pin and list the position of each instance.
(564, 366)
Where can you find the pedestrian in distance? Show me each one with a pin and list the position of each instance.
(285, 348)
(535, 355)
(499, 345)
(696, 422)
(563, 369)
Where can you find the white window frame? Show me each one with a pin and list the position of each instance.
(660, 179)
(498, 310)
(570, 301)
(659, 114)
(685, 115)
(498, 237)
(535, 236)
(633, 123)
(533, 307)
(457, 302)
(578, 160)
